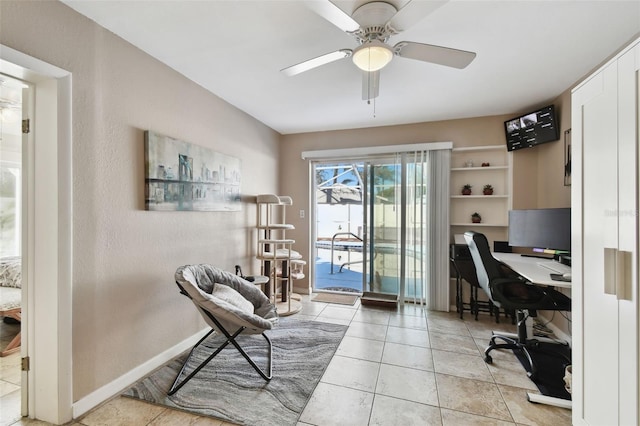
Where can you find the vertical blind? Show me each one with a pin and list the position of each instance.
(426, 213)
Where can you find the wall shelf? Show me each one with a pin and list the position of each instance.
(484, 197)
(477, 169)
(494, 209)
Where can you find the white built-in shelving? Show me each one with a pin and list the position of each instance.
(466, 168)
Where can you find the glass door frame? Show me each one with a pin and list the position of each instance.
(432, 292)
(373, 278)
(400, 163)
(348, 243)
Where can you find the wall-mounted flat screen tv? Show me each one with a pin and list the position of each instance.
(532, 129)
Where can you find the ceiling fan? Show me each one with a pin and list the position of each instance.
(372, 25)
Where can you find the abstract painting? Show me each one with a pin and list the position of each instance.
(182, 176)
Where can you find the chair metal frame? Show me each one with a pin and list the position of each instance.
(230, 338)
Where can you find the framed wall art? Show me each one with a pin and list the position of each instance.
(183, 176)
(567, 157)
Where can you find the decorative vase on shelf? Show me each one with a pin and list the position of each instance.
(466, 189)
(487, 190)
(476, 218)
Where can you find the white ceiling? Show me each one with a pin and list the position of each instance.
(528, 52)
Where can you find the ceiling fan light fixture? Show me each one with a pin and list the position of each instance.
(372, 55)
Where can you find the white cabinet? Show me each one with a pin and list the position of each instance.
(605, 243)
(467, 168)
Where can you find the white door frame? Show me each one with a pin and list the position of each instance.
(47, 240)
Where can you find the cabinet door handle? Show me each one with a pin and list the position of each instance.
(610, 266)
(624, 264)
(618, 270)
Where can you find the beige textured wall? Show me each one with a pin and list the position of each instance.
(126, 307)
(550, 174)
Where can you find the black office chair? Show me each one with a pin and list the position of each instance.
(512, 294)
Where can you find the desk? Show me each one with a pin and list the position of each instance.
(537, 271)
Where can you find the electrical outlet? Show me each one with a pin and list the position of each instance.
(301, 214)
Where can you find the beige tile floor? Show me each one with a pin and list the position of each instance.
(405, 367)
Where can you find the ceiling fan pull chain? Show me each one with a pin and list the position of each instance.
(369, 95)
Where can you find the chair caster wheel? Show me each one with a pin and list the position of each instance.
(488, 359)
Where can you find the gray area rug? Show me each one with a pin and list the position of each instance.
(228, 388)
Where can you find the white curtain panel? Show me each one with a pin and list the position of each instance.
(437, 232)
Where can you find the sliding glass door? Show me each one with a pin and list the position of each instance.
(381, 221)
(370, 218)
(395, 207)
(382, 208)
(338, 226)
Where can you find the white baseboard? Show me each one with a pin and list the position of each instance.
(112, 389)
(301, 289)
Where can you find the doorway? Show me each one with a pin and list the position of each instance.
(339, 227)
(11, 247)
(370, 224)
(46, 238)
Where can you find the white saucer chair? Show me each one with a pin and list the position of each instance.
(231, 306)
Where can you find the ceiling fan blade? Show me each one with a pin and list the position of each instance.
(316, 62)
(333, 14)
(370, 85)
(413, 12)
(436, 54)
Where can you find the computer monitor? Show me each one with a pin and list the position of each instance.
(541, 229)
